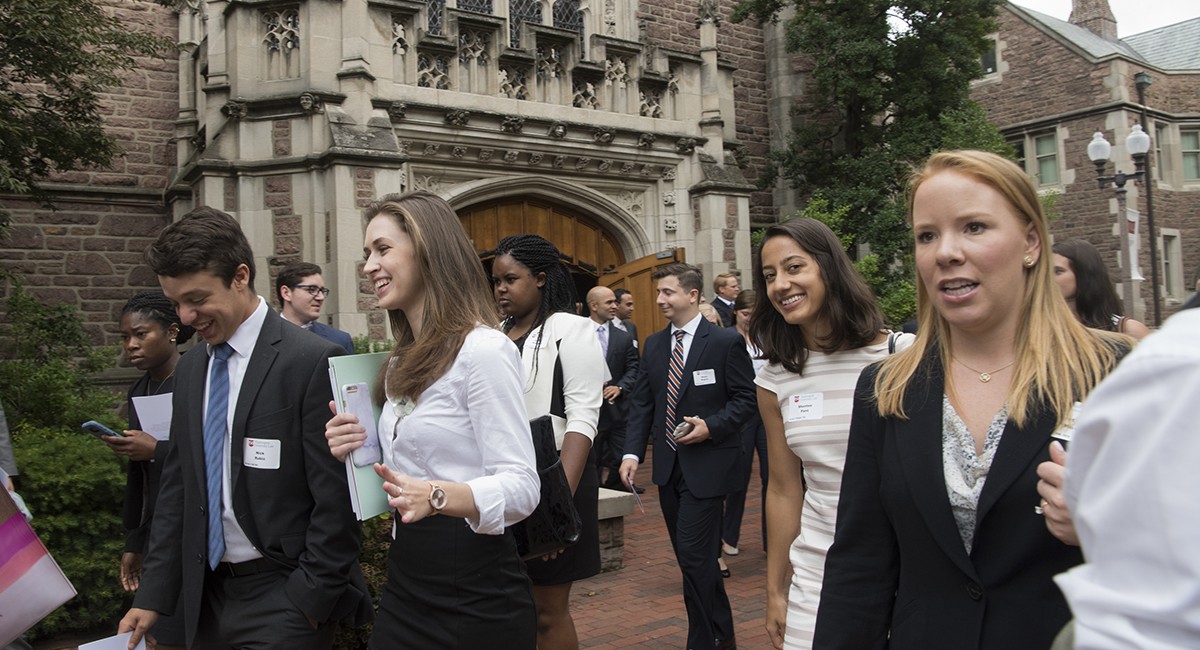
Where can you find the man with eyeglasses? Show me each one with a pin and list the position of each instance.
(301, 293)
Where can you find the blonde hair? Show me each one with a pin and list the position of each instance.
(1058, 360)
(457, 296)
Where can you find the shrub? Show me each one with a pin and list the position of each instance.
(74, 486)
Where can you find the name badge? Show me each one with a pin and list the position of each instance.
(704, 377)
(809, 406)
(260, 453)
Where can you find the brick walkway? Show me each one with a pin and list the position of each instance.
(641, 606)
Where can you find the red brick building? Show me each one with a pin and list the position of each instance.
(1051, 84)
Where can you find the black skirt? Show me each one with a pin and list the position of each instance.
(450, 588)
(582, 560)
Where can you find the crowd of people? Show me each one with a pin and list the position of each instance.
(917, 489)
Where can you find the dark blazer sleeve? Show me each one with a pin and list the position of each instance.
(863, 565)
(741, 398)
(641, 404)
(137, 531)
(630, 363)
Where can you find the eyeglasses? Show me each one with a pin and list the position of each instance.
(312, 289)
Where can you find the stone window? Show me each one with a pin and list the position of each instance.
(281, 41)
(1189, 145)
(567, 15)
(990, 59)
(1172, 265)
(433, 71)
(1160, 161)
(478, 6)
(437, 11)
(1045, 157)
(519, 13)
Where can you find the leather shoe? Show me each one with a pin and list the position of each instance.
(726, 644)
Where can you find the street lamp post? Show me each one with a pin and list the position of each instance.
(1099, 150)
(1141, 81)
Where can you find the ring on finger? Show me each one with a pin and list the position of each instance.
(1040, 508)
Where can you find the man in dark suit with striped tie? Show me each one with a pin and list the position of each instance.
(699, 375)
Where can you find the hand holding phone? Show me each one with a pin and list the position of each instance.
(99, 430)
(356, 399)
(682, 429)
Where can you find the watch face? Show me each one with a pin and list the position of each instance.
(437, 498)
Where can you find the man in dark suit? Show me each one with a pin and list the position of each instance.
(624, 321)
(622, 360)
(253, 539)
(301, 292)
(727, 288)
(695, 373)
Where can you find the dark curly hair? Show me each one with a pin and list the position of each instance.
(155, 306)
(540, 256)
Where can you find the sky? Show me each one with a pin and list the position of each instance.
(1133, 16)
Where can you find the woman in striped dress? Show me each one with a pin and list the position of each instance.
(817, 324)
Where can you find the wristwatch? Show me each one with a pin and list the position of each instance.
(437, 497)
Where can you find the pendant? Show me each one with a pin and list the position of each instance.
(985, 377)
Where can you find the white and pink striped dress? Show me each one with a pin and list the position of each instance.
(816, 411)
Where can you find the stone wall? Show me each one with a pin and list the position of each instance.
(89, 251)
(672, 24)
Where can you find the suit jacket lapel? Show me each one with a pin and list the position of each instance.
(261, 359)
(693, 358)
(195, 375)
(1018, 448)
(919, 445)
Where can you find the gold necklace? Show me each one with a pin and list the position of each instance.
(158, 389)
(985, 377)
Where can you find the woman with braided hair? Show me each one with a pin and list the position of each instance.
(536, 296)
(151, 334)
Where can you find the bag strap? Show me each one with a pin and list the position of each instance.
(892, 343)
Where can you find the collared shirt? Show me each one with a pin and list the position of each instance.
(470, 426)
(690, 328)
(237, 546)
(1131, 488)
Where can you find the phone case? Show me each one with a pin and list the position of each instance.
(682, 429)
(356, 399)
(96, 429)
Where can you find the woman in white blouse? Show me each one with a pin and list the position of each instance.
(455, 438)
(565, 373)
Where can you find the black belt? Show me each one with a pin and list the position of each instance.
(247, 568)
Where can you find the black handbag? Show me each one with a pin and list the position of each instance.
(555, 523)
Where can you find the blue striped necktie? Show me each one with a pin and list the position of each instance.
(214, 447)
(674, 385)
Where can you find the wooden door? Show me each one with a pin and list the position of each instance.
(635, 277)
(585, 245)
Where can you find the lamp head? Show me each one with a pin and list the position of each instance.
(1098, 150)
(1141, 80)
(1138, 142)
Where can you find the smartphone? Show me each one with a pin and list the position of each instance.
(356, 399)
(682, 429)
(99, 430)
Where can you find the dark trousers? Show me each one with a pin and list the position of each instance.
(254, 612)
(755, 439)
(694, 525)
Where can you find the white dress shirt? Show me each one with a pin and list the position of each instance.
(237, 546)
(470, 427)
(1134, 491)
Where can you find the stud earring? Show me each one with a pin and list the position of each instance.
(1028, 261)
(172, 339)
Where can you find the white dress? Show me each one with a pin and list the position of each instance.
(816, 410)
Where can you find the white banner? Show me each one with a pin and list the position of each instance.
(1133, 219)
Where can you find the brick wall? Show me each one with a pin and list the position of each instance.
(1042, 78)
(89, 251)
(672, 24)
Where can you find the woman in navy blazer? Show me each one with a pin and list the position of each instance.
(940, 542)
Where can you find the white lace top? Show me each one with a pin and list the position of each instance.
(964, 471)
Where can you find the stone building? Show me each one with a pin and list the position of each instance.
(622, 131)
(1051, 84)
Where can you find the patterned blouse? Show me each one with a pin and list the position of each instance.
(964, 471)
